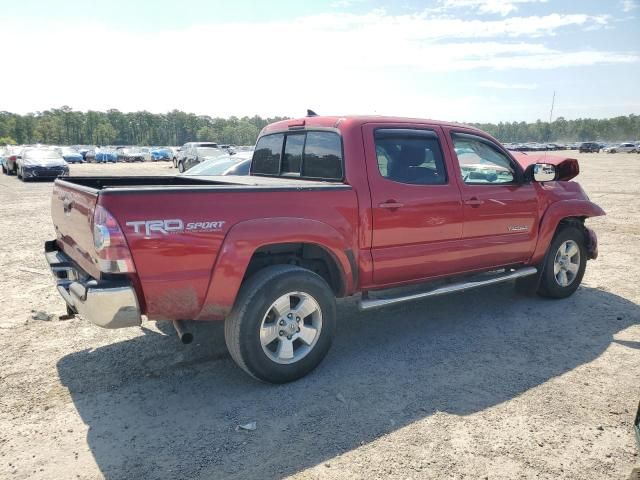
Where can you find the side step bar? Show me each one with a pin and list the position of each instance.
(369, 304)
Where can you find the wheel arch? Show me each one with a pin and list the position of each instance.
(255, 244)
(564, 212)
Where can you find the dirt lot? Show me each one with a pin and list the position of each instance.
(485, 384)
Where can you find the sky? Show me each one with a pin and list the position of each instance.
(462, 60)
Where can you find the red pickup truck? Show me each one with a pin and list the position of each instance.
(334, 206)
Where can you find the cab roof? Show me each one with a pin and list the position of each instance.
(329, 121)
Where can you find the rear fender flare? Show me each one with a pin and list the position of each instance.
(244, 238)
(557, 212)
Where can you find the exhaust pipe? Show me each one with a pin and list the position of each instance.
(185, 336)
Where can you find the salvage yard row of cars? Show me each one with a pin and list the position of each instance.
(29, 162)
(584, 147)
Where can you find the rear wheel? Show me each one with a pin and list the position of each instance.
(181, 167)
(565, 264)
(282, 324)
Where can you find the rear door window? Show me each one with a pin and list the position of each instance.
(410, 156)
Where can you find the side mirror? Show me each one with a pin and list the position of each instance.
(544, 172)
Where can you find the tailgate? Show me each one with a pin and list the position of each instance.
(72, 209)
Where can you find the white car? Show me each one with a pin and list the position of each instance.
(623, 147)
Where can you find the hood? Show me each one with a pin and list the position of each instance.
(567, 168)
(45, 162)
(71, 155)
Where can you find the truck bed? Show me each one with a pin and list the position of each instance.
(174, 269)
(194, 183)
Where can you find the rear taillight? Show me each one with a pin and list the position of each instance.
(111, 246)
(13, 157)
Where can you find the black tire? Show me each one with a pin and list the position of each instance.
(550, 287)
(255, 299)
(181, 167)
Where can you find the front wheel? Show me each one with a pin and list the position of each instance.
(282, 324)
(181, 167)
(565, 264)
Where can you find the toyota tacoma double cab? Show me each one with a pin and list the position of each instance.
(333, 207)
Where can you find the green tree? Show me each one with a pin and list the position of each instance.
(104, 134)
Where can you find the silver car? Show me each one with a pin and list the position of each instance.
(621, 148)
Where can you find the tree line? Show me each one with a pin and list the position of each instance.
(65, 126)
(617, 129)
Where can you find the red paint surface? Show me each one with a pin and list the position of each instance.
(434, 233)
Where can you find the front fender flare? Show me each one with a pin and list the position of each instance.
(552, 218)
(244, 238)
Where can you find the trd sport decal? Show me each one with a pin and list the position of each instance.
(174, 225)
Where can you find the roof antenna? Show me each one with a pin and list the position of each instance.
(553, 102)
(311, 113)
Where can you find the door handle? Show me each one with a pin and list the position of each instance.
(474, 202)
(391, 205)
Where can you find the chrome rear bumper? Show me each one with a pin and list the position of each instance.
(106, 303)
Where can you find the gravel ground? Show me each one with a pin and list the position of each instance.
(484, 384)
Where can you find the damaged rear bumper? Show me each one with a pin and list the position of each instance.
(106, 303)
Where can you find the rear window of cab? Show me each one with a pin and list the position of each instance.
(303, 154)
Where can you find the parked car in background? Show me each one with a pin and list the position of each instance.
(83, 149)
(195, 154)
(70, 155)
(146, 153)
(161, 153)
(100, 155)
(621, 148)
(35, 163)
(187, 147)
(238, 164)
(130, 154)
(10, 156)
(589, 147)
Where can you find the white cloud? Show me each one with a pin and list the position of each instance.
(501, 7)
(345, 3)
(332, 62)
(628, 5)
(508, 86)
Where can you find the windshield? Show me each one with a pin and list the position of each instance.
(43, 155)
(212, 167)
(210, 152)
